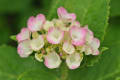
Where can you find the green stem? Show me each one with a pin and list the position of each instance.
(64, 72)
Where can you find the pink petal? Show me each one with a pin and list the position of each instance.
(63, 14)
(23, 35)
(36, 23)
(78, 35)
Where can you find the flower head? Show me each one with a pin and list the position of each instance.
(58, 40)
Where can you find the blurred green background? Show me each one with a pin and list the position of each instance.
(14, 15)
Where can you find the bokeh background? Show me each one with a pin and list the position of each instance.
(15, 13)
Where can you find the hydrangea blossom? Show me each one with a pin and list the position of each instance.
(58, 40)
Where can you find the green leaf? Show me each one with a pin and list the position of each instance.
(108, 67)
(12, 67)
(115, 7)
(93, 13)
(13, 37)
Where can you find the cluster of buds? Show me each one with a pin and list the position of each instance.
(52, 42)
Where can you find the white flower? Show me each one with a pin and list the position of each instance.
(52, 60)
(24, 49)
(55, 35)
(37, 43)
(68, 48)
(73, 60)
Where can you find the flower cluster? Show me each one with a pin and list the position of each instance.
(56, 40)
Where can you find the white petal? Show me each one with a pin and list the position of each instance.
(52, 60)
(47, 25)
(68, 48)
(95, 43)
(88, 50)
(37, 43)
(73, 60)
(24, 49)
(55, 35)
(89, 35)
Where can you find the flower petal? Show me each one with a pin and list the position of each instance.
(95, 43)
(52, 60)
(36, 23)
(75, 23)
(64, 15)
(23, 35)
(78, 35)
(73, 60)
(55, 35)
(89, 35)
(37, 43)
(68, 48)
(47, 25)
(24, 49)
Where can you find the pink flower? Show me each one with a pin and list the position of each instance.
(23, 35)
(24, 49)
(78, 35)
(64, 15)
(36, 23)
(52, 60)
(55, 35)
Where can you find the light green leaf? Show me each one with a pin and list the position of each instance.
(13, 37)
